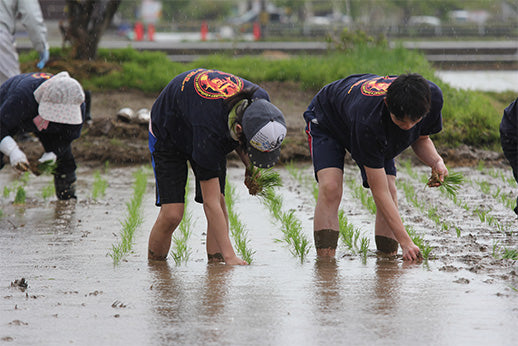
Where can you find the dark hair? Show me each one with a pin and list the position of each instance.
(230, 102)
(409, 97)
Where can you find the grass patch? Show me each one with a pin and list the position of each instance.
(470, 117)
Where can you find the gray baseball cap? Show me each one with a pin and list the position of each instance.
(264, 128)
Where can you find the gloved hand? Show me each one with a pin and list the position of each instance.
(17, 157)
(65, 186)
(45, 164)
(44, 58)
(49, 157)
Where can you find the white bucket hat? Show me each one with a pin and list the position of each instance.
(60, 99)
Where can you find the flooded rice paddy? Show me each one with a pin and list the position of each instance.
(464, 294)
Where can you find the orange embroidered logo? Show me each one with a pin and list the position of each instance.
(213, 84)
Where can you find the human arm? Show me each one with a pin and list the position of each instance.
(426, 152)
(213, 206)
(32, 19)
(253, 187)
(378, 183)
(17, 157)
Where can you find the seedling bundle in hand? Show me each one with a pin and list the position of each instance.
(451, 182)
(260, 180)
(46, 167)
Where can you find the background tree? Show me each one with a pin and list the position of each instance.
(87, 22)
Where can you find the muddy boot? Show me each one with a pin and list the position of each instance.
(325, 242)
(216, 258)
(386, 246)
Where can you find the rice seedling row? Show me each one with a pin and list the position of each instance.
(238, 230)
(133, 220)
(180, 250)
(291, 227)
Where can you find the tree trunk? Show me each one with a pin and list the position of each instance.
(87, 21)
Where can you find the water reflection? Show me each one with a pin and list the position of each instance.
(214, 290)
(168, 293)
(387, 285)
(327, 284)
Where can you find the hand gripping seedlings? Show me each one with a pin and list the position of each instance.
(451, 182)
(259, 180)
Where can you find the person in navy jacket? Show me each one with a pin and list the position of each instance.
(509, 138)
(201, 116)
(52, 108)
(374, 118)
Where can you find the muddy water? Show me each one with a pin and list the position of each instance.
(75, 294)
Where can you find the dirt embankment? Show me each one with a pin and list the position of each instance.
(107, 138)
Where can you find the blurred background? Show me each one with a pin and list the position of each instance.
(308, 19)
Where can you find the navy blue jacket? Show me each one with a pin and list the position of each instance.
(18, 108)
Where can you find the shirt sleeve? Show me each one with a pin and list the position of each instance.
(433, 121)
(32, 19)
(17, 110)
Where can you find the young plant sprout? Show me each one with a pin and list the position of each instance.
(451, 182)
(259, 180)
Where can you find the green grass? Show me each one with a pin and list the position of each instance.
(469, 117)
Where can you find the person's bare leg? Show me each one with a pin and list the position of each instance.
(386, 242)
(217, 221)
(168, 219)
(325, 223)
(214, 253)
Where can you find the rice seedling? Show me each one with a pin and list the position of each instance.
(457, 231)
(451, 182)
(99, 185)
(45, 168)
(409, 169)
(48, 190)
(298, 243)
(348, 233)
(180, 251)
(361, 193)
(273, 203)
(419, 242)
(237, 228)
(6, 192)
(511, 254)
(502, 252)
(260, 180)
(133, 220)
(485, 187)
(364, 248)
(20, 196)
